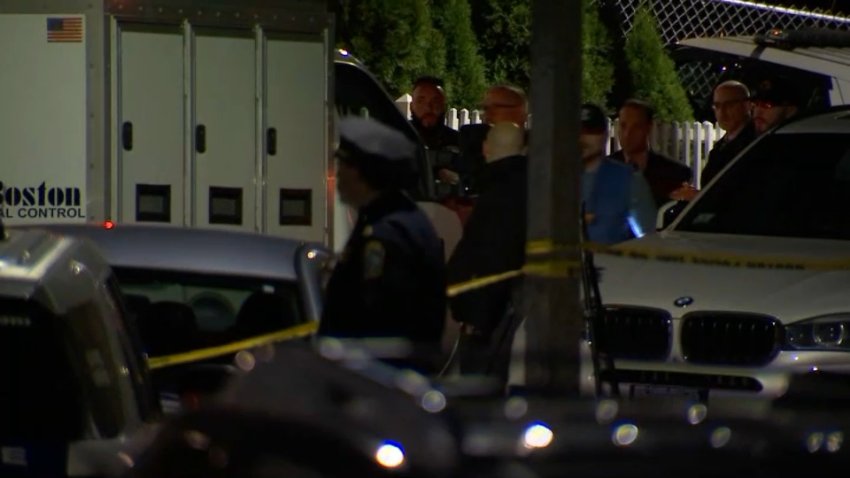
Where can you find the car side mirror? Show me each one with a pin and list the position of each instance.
(668, 213)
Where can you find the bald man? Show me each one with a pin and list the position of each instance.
(493, 242)
(505, 103)
(503, 140)
(732, 110)
(731, 104)
(501, 104)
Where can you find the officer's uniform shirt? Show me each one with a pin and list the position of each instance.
(390, 280)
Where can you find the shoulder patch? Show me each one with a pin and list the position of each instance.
(374, 255)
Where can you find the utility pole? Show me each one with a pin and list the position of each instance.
(551, 297)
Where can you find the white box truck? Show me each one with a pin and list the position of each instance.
(214, 113)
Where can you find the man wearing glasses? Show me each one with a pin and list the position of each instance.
(732, 109)
(501, 104)
(505, 103)
(731, 104)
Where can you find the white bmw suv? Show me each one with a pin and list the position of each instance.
(750, 283)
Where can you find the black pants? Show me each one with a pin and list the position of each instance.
(489, 353)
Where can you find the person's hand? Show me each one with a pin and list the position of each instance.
(448, 176)
(686, 192)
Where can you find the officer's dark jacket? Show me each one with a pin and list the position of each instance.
(664, 175)
(493, 242)
(390, 281)
(725, 151)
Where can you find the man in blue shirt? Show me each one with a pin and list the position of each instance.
(617, 200)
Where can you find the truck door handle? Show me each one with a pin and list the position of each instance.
(201, 138)
(271, 141)
(127, 136)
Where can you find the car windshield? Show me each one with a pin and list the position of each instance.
(179, 311)
(35, 370)
(788, 185)
(357, 93)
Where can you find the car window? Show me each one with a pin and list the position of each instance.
(41, 394)
(358, 93)
(125, 329)
(787, 185)
(177, 311)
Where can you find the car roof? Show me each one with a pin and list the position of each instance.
(27, 258)
(832, 61)
(832, 121)
(28, 255)
(203, 251)
(46, 267)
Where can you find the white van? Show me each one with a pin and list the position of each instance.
(816, 60)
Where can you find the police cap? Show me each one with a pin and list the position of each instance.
(383, 156)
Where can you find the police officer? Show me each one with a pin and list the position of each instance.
(390, 280)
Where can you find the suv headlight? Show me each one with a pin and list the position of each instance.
(830, 332)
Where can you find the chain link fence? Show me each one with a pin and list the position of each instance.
(681, 19)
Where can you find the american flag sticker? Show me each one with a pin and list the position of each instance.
(64, 29)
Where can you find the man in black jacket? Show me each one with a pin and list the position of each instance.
(428, 116)
(501, 103)
(390, 280)
(493, 242)
(732, 110)
(428, 113)
(663, 174)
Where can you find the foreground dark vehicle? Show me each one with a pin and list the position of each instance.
(75, 394)
(340, 414)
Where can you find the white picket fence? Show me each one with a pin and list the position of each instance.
(688, 142)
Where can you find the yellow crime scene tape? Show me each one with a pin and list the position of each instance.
(550, 268)
(740, 261)
(535, 266)
(296, 332)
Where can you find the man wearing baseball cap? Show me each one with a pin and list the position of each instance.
(775, 100)
(617, 200)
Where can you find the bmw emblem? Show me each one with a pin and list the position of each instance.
(683, 301)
